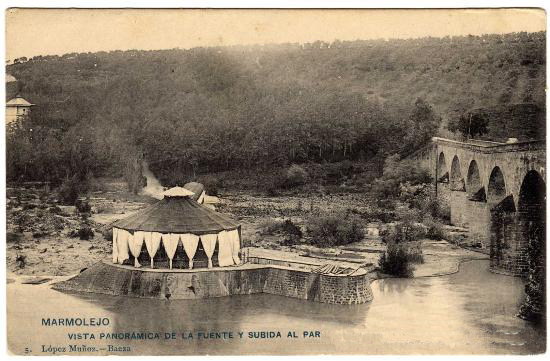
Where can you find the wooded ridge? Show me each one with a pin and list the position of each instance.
(208, 109)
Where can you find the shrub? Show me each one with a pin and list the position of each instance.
(409, 216)
(83, 206)
(382, 214)
(334, 229)
(29, 206)
(211, 184)
(56, 210)
(22, 220)
(416, 196)
(270, 226)
(295, 176)
(423, 198)
(40, 234)
(434, 229)
(101, 209)
(397, 172)
(20, 261)
(395, 261)
(402, 232)
(275, 183)
(413, 250)
(438, 210)
(107, 234)
(14, 237)
(272, 190)
(291, 229)
(69, 191)
(336, 172)
(287, 228)
(84, 233)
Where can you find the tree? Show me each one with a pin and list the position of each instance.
(470, 125)
(423, 124)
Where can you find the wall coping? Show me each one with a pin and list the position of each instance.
(244, 267)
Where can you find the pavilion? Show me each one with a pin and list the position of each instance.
(177, 232)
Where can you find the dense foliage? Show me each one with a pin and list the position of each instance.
(387, 188)
(395, 261)
(193, 111)
(334, 229)
(470, 124)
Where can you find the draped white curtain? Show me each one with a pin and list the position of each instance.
(225, 255)
(115, 245)
(152, 243)
(128, 243)
(170, 242)
(135, 243)
(233, 237)
(209, 244)
(190, 243)
(122, 243)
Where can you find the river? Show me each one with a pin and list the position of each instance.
(470, 312)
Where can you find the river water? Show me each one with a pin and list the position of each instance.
(470, 312)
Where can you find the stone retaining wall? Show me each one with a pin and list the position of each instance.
(111, 279)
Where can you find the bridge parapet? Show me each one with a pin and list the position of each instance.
(492, 147)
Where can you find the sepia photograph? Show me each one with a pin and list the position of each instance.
(275, 181)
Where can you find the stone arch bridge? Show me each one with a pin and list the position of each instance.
(496, 190)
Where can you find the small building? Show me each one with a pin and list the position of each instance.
(17, 108)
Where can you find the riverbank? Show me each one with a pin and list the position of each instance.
(443, 258)
(47, 243)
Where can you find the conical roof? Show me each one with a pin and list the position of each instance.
(177, 214)
(18, 101)
(178, 192)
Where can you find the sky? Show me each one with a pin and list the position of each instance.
(31, 32)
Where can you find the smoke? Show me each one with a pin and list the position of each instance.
(153, 188)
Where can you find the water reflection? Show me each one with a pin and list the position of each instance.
(391, 286)
(468, 312)
(220, 311)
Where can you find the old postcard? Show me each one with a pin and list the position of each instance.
(280, 182)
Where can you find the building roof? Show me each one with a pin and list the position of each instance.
(10, 78)
(18, 101)
(177, 214)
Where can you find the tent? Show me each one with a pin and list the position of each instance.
(200, 195)
(176, 226)
(197, 189)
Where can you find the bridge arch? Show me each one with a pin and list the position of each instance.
(456, 179)
(475, 190)
(442, 170)
(531, 234)
(496, 187)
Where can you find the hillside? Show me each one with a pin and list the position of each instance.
(203, 109)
